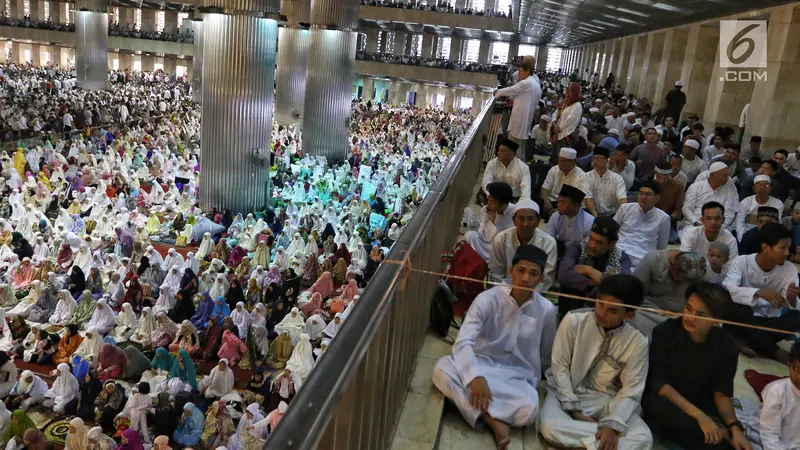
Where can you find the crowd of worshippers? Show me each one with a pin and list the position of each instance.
(143, 343)
(39, 101)
(439, 7)
(114, 29)
(439, 63)
(620, 189)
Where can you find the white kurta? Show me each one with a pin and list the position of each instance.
(526, 95)
(504, 246)
(693, 239)
(745, 277)
(556, 178)
(481, 240)
(506, 344)
(587, 363)
(517, 175)
(641, 232)
(779, 416)
(749, 207)
(700, 193)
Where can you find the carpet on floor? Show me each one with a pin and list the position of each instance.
(56, 431)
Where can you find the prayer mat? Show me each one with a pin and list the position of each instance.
(56, 431)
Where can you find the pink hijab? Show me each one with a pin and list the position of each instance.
(314, 305)
(323, 285)
(350, 290)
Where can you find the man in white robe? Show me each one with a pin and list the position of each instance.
(716, 187)
(524, 231)
(643, 227)
(764, 290)
(504, 342)
(594, 352)
(699, 239)
(496, 216)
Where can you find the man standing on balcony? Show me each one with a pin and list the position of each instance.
(504, 343)
(526, 95)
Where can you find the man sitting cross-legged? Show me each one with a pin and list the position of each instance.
(598, 374)
(504, 342)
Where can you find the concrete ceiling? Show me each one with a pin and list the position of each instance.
(565, 23)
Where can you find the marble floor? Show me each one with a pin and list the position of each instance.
(426, 423)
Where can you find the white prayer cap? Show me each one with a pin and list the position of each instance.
(679, 83)
(631, 114)
(546, 118)
(568, 153)
(526, 204)
(594, 110)
(692, 143)
(614, 131)
(717, 166)
(759, 178)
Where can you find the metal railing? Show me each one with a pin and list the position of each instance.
(354, 396)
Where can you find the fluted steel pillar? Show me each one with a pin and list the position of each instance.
(329, 78)
(237, 96)
(197, 61)
(290, 78)
(91, 44)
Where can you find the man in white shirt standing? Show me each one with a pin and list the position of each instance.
(526, 95)
(506, 167)
(642, 227)
(504, 343)
(525, 231)
(567, 172)
(606, 188)
(717, 187)
(764, 290)
(699, 239)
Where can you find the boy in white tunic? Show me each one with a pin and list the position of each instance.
(504, 342)
(780, 412)
(598, 374)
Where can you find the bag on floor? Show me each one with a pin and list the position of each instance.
(466, 262)
(442, 314)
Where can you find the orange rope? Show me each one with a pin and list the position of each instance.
(669, 314)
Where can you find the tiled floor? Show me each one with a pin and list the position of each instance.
(424, 412)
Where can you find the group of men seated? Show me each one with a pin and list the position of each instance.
(611, 212)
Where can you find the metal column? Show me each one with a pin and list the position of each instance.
(197, 60)
(91, 44)
(290, 78)
(329, 78)
(237, 96)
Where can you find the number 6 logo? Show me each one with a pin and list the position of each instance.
(743, 43)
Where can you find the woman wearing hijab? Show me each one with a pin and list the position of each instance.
(89, 349)
(222, 251)
(293, 323)
(190, 427)
(218, 426)
(189, 282)
(253, 294)
(136, 409)
(211, 340)
(134, 294)
(136, 363)
(110, 362)
(125, 241)
(64, 258)
(28, 391)
(108, 404)
(221, 309)
(99, 441)
(89, 390)
(165, 331)
(103, 319)
(183, 369)
(84, 310)
(202, 315)
(64, 308)
(45, 305)
(232, 348)
(130, 440)
(65, 388)
(284, 386)
(68, 345)
(242, 439)
(18, 424)
(273, 419)
(94, 283)
(143, 333)
(77, 438)
(125, 324)
(187, 339)
(162, 362)
(219, 382)
(235, 294)
(280, 350)
(314, 327)
(323, 286)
